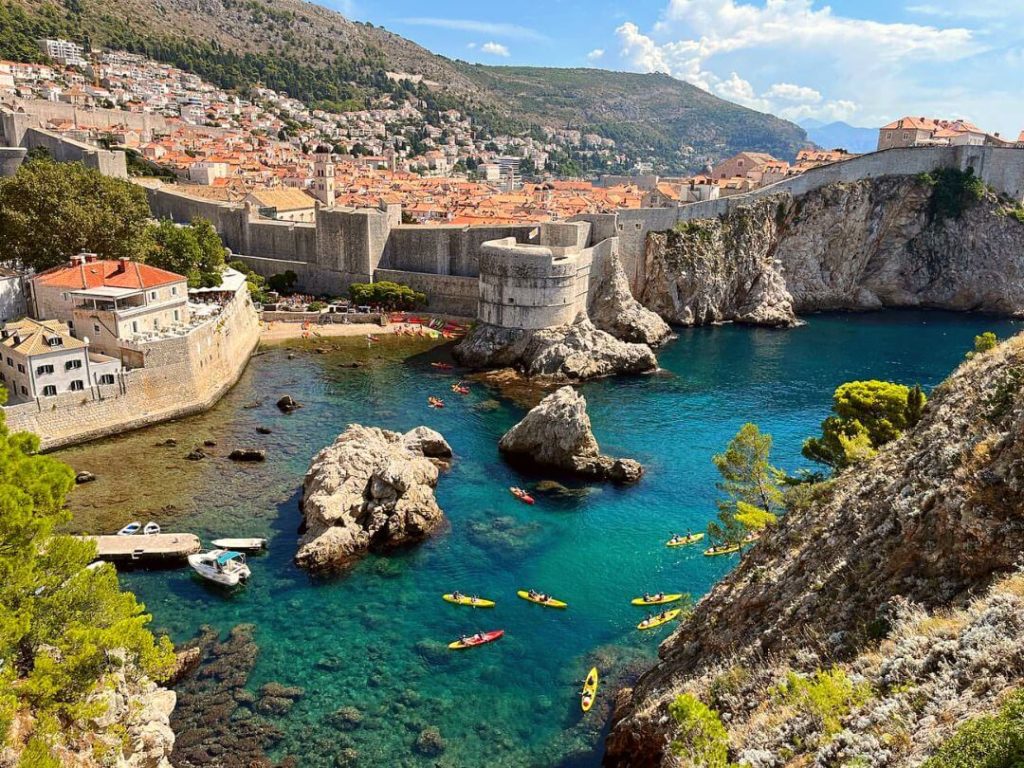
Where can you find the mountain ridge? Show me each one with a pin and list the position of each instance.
(317, 55)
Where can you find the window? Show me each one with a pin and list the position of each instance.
(107, 378)
(10, 362)
(152, 295)
(177, 315)
(77, 385)
(156, 323)
(21, 368)
(174, 290)
(95, 328)
(23, 390)
(72, 365)
(3, 377)
(49, 390)
(42, 370)
(135, 326)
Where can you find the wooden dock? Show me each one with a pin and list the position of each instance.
(141, 548)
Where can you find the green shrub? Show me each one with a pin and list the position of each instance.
(827, 696)
(315, 306)
(996, 741)
(983, 344)
(953, 192)
(386, 294)
(702, 740)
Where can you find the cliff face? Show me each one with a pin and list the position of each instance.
(863, 245)
(890, 549)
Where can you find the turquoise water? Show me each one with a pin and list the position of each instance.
(374, 639)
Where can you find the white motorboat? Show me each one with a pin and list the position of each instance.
(131, 529)
(221, 566)
(151, 529)
(247, 545)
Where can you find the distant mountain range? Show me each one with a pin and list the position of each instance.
(321, 57)
(840, 135)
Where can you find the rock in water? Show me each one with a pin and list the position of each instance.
(84, 477)
(287, 404)
(557, 434)
(248, 454)
(570, 352)
(371, 490)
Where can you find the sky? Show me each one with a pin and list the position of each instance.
(862, 61)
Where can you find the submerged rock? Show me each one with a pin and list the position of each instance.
(571, 352)
(287, 404)
(84, 477)
(557, 434)
(196, 454)
(371, 490)
(248, 454)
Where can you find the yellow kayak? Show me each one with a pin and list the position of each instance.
(589, 691)
(550, 602)
(661, 618)
(684, 540)
(475, 602)
(726, 549)
(659, 601)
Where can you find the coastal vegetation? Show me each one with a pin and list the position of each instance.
(866, 415)
(64, 628)
(194, 250)
(953, 192)
(995, 741)
(983, 343)
(386, 294)
(751, 485)
(701, 739)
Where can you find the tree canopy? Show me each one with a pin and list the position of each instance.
(194, 250)
(386, 294)
(63, 628)
(50, 211)
(750, 484)
(866, 416)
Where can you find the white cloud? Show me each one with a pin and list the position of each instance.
(595, 54)
(800, 94)
(495, 49)
(495, 29)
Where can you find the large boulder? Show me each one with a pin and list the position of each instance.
(371, 490)
(557, 434)
(613, 309)
(569, 352)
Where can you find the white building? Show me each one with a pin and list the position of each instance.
(63, 52)
(12, 295)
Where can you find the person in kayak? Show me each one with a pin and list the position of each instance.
(658, 596)
(457, 595)
(647, 597)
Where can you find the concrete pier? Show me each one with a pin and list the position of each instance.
(141, 548)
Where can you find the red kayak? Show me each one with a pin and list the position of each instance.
(443, 366)
(480, 638)
(522, 495)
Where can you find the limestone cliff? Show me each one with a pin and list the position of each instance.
(874, 574)
(571, 352)
(613, 309)
(847, 246)
(370, 490)
(556, 433)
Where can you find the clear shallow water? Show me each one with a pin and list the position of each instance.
(367, 639)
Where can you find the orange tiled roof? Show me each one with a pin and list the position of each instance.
(107, 272)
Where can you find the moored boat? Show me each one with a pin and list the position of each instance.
(589, 692)
(480, 638)
(662, 618)
(151, 529)
(246, 545)
(541, 599)
(220, 566)
(131, 529)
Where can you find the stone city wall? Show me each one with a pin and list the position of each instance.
(446, 294)
(183, 376)
(44, 112)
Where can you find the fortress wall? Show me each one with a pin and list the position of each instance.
(447, 294)
(281, 240)
(198, 370)
(44, 112)
(228, 219)
(65, 150)
(312, 279)
(11, 159)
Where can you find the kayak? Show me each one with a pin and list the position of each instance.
(727, 549)
(481, 639)
(467, 600)
(442, 366)
(435, 402)
(751, 537)
(589, 691)
(661, 618)
(549, 603)
(522, 495)
(662, 599)
(684, 540)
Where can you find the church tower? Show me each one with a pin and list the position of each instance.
(323, 176)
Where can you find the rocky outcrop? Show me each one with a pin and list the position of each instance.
(370, 490)
(557, 434)
(848, 246)
(892, 548)
(613, 309)
(572, 352)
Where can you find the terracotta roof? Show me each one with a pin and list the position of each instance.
(32, 336)
(285, 199)
(115, 273)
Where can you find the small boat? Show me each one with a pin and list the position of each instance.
(151, 529)
(480, 638)
(460, 389)
(541, 599)
(522, 495)
(655, 600)
(442, 366)
(220, 566)
(246, 545)
(721, 549)
(751, 537)
(680, 541)
(131, 529)
(662, 618)
(471, 600)
(589, 691)
(435, 402)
